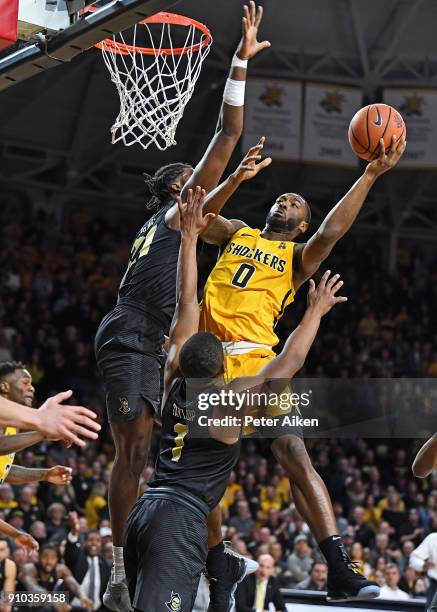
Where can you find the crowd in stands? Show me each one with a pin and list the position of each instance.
(59, 277)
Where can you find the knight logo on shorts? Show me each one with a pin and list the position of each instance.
(175, 602)
(124, 405)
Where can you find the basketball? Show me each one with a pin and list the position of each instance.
(372, 123)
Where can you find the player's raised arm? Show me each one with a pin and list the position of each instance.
(222, 229)
(212, 165)
(186, 317)
(309, 256)
(320, 301)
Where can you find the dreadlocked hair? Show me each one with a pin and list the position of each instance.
(159, 185)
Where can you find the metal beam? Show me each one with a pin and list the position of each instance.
(406, 22)
(359, 35)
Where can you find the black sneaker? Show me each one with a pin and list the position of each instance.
(225, 577)
(346, 582)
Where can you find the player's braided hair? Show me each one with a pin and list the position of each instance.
(9, 367)
(159, 185)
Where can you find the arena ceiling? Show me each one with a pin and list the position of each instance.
(54, 128)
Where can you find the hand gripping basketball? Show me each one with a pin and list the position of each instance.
(387, 161)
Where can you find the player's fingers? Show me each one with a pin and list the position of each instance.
(336, 287)
(79, 430)
(264, 163)
(252, 12)
(244, 26)
(259, 16)
(382, 154)
(324, 279)
(265, 44)
(252, 158)
(393, 145)
(401, 145)
(312, 285)
(69, 435)
(248, 168)
(62, 396)
(340, 298)
(332, 281)
(81, 415)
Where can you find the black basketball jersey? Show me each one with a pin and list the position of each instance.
(201, 466)
(150, 279)
(50, 583)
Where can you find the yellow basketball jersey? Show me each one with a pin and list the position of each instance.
(6, 461)
(249, 289)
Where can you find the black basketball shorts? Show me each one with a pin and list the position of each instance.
(165, 550)
(128, 349)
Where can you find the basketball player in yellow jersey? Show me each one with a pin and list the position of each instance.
(16, 386)
(255, 278)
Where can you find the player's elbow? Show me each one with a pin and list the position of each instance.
(231, 131)
(328, 235)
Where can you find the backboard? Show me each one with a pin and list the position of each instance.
(54, 43)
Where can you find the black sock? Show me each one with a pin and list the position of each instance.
(214, 560)
(329, 548)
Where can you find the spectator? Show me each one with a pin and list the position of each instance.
(357, 556)
(299, 563)
(317, 580)
(258, 591)
(243, 521)
(411, 530)
(391, 589)
(87, 564)
(46, 576)
(29, 507)
(363, 533)
(408, 580)
(56, 527)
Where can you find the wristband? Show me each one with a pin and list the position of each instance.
(238, 63)
(234, 92)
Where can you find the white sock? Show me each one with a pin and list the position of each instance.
(119, 572)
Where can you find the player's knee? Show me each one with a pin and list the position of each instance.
(291, 453)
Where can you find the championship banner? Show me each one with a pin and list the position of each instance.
(418, 107)
(273, 109)
(328, 112)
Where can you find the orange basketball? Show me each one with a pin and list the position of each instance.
(372, 123)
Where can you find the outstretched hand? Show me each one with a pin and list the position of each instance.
(323, 297)
(386, 161)
(56, 421)
(249, 166)
(249, 45)
(192, 220)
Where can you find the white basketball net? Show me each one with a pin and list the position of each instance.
(153, 89)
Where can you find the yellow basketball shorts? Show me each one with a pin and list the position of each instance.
(250, 364)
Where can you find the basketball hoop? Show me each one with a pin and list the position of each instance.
(155, 82)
